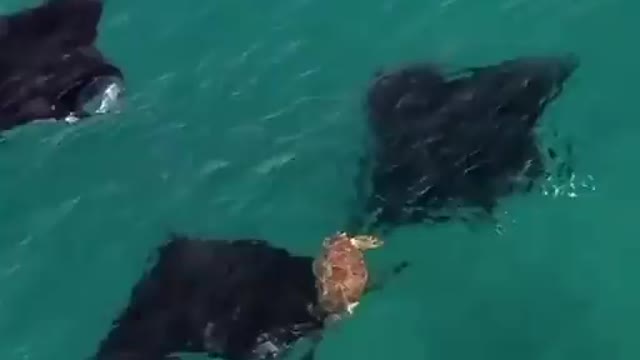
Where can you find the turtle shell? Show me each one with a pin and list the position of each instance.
(341, 274)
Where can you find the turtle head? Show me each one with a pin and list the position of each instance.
(366, 242)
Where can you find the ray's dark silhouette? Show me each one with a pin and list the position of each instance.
(443, 142)
(49, 64)
(237, 300)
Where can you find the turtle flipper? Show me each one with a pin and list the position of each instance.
(315, 338)
(352, 306)
(310, 354)
(379, 283)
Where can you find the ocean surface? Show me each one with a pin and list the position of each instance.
(245, 119)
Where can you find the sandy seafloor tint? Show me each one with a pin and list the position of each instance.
(245, 119)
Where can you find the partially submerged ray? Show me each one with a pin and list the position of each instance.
(236, 300)
(54, 24)
(49, 65)
(448, 141)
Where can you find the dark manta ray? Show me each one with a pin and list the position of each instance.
(235, 300)
(462, 140)
(49, 65)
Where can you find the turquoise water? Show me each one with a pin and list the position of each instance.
(245, 119)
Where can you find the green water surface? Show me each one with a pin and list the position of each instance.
(245, 119)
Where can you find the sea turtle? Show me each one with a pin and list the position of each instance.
(341, 273)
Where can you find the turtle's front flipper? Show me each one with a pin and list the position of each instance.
(315, 338)
(379, 282)
(310, 354)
